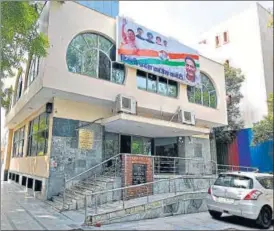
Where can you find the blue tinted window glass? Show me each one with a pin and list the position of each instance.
(110, 8)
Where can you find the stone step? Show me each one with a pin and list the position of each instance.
(74, 194)
(79, 191)
(59, 199)
(84, 186)
(57, 205)
(105, 180)
(87, 190)
(91, 186)
(89, 182)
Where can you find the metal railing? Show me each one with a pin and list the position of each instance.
(162, 165)
(227, 168)
(193, 166)
(183, 166)
(151, 191)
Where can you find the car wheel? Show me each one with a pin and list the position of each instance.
(215, 214)
(265, 218)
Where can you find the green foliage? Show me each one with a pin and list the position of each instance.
(19, 36)
(270, 22)
(233, 79)
(6, 97)
(263, 130)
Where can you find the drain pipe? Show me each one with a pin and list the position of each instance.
(88, 124)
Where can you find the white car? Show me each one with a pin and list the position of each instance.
(243, 194)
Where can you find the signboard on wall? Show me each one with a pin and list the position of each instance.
(150, 51)
(139, 174)
(86, 138)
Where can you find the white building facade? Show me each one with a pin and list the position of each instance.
(55, 96)
(246, 41)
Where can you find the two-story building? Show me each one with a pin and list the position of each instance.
(68, 100)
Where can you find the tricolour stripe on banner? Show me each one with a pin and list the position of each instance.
(163, 62)
(152, 53)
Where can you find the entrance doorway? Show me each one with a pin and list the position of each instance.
(125, 144)
(165, 149)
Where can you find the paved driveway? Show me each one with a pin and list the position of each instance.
(20, 211)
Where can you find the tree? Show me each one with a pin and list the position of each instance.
(19, 38)
(6, 97)
(263, 130)
(270, 22)
(233, 81)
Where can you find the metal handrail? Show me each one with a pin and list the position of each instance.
(93, 167)
(95, 194)
(253, 169)
(201, 160)
(152, 182)
(113, 157)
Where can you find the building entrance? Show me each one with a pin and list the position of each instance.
(125, 144)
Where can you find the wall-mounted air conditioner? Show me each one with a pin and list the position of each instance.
(187, 117)
(126, 104)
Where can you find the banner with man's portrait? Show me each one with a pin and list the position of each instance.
(147, 50)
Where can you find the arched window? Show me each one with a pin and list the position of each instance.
(206, 95)
(93, 55)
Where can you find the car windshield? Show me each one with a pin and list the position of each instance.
(266, 181)
(234, 181)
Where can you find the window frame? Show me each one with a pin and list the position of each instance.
(33, 71)
(217, 44)
(227, 38)
(32, 134)
(97, 48)
(194, 89)
(15, 143)
(157, 84)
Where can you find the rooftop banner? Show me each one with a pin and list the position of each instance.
(147, 50)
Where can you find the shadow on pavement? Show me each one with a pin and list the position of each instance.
(241, 221)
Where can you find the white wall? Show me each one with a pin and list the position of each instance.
(267, 47)
(244, 51)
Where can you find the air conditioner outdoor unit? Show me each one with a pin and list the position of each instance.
(126, 104)
(187, 117)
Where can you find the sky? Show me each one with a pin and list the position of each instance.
(182, 20)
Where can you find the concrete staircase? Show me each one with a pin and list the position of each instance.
(109, 178)
(75, 196)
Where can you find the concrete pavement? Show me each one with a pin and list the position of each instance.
(21, 211)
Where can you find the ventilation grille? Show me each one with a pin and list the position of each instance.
(187, 116)
(126, 103)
